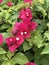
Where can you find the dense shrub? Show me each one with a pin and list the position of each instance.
(24, 32)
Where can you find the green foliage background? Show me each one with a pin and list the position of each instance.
(36, 48)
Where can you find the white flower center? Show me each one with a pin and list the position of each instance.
(25, 32)
(21, 33)
(27, 14)
(17, 38)
(10, 39)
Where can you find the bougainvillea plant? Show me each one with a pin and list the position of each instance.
(24, 32)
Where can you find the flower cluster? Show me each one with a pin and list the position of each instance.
(1, 1)
(30, 63)
(1, 39)
(30, 1)
(27, 0)
(10, 4)
(21, 30)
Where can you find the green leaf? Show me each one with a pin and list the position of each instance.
(45, 50)
(42, 10)
(20, 58)
(47, 34)
(38, 21)
(4, 26)
(30, 42)
(6, 14)
(29, 55)
(3, 57)
(38, 40)
(2, 51)
(26, 46)
(41, 1)
(9, 54)
(5, 35)
(7, 63)
(45, 60)
(48, 24)
(48, 16)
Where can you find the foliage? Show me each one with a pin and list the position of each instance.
(36, 48)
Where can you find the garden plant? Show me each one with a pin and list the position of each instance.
(24, 32)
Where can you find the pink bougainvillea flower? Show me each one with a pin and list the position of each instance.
(14, 42)
(16, 28)
(30, 63)
(26, 14)
(10, 40)
(9, 4)
(1, 39)
(24, 31)
(31, 24)
(21, 29)
(27, 1)
(30, 1)
(1, 1)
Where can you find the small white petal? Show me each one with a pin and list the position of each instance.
(25, 32)
(27, 15)
(26, 12)
(21, 33)
(10, 39)
(17, 38)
